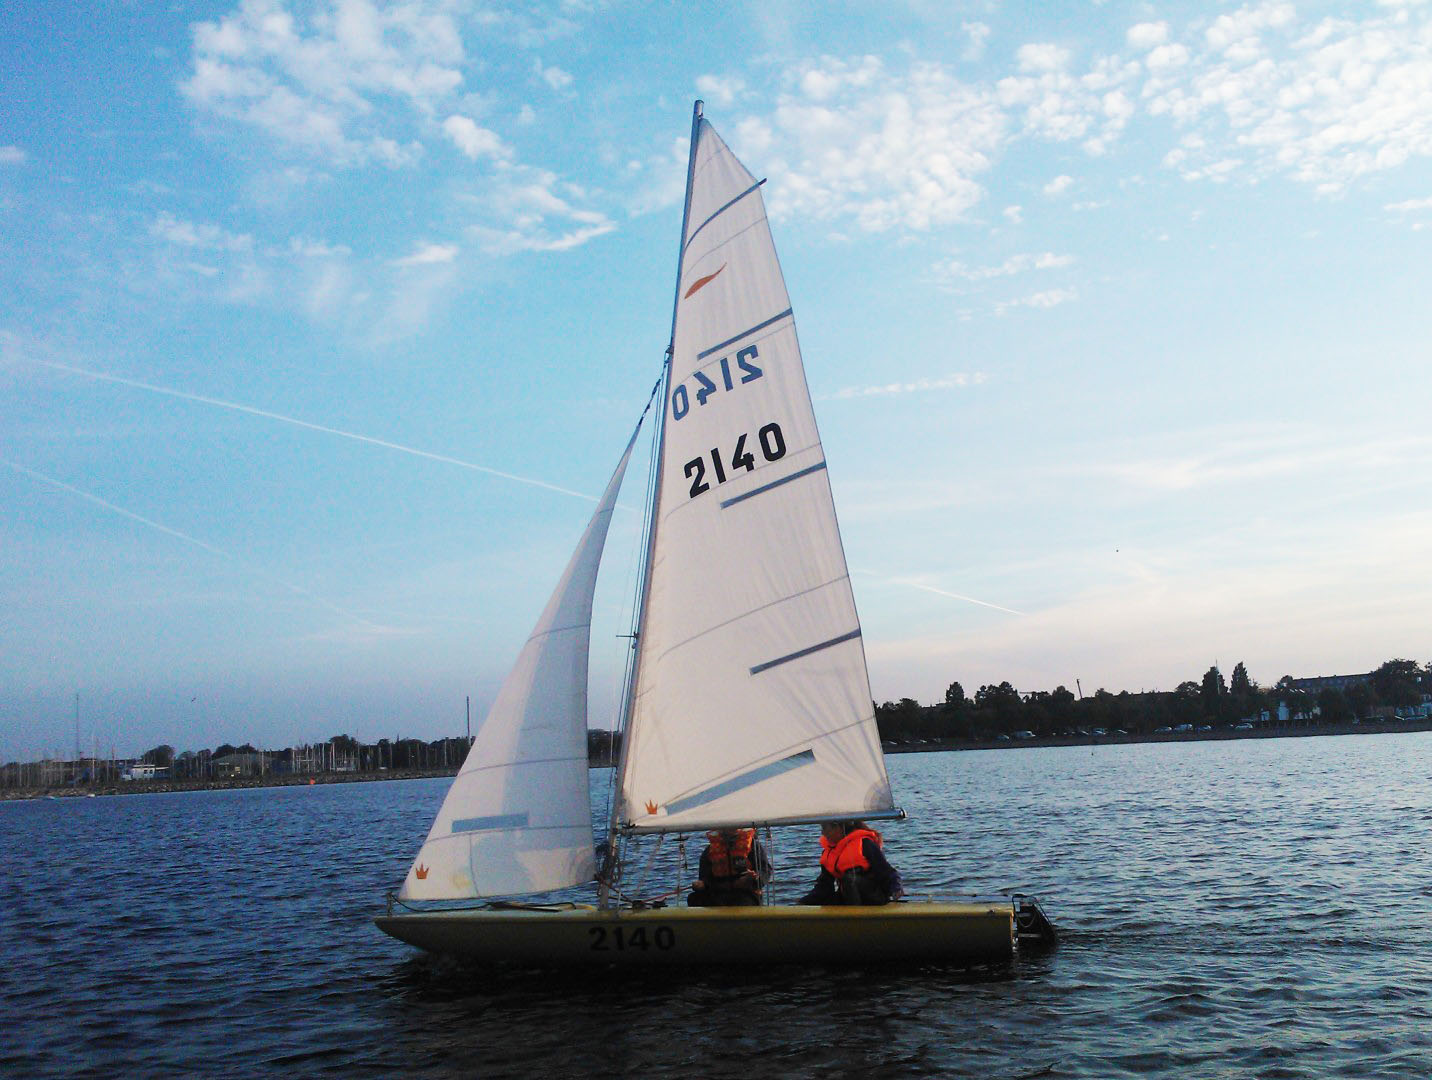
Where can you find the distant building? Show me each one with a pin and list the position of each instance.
(235, 765)
(139, 770)
(1318, 683)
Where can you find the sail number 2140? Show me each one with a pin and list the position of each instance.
(773, 448)
(705, 386)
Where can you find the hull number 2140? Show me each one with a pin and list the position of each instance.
(622, 938)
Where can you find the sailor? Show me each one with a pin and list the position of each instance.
(733, 870)
(853, 868)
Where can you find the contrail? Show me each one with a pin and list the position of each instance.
(236, 407)
(210, 548)
(940, 592)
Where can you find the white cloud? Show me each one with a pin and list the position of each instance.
(1325, 104)
(554, 77)
(851, 139)
(1408, 205)
(720, 90)
(1042, 57)
(474, 141)
(979, 37)
(1058, 185)
(428, 255)
(1047, 299)
(1013, 214)
(951, 269)
(315, 83)
(1166, 57)
(1146, 36)
(186, 234)
(919, 386)
(304, 248)
(12, 155)
(528, 209)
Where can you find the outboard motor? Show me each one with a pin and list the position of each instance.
(1032, 927)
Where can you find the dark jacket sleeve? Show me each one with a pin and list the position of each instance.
(824, 890)
(885, 875)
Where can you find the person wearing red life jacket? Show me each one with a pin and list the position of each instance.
(733, 870)
(853, 867)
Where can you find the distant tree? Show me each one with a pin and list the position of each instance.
(898, 721)
(224, 750)
(1243, 695)
(1361, 698)
(162, 755)
(1212, 691)
(952, 720)
(955, 697)
(999, 708)
(1334, 707)
(1397, 682)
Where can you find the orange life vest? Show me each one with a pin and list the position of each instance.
(733, 859)
(847, 853)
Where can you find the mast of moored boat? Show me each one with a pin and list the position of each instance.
(609, 875)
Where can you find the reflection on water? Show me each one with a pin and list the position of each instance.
(1233, 909)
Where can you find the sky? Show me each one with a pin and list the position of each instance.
(323, 324)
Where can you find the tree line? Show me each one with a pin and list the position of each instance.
(997, 710)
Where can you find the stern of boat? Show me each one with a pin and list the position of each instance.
(1032, 928)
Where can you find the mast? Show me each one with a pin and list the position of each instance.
(605, 888)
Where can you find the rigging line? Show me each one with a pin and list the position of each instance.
(210, 548)
(234, 406)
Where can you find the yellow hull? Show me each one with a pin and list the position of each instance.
(966, 933)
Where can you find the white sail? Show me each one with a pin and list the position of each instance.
(752, 699)
(517, 818)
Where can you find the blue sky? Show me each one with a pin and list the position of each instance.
(323, 323)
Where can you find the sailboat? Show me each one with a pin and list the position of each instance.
(747, 700)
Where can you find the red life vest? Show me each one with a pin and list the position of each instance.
(733, 859)
(847, 853)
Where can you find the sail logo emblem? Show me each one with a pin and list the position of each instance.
(421, 872)
(651, 808)
(701, 282)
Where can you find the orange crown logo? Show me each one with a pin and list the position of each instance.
(651, 808)
(422, 871)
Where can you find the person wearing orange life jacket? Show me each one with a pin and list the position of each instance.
(853, 867)
(733, 870)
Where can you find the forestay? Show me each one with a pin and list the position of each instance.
(517, 818)
(752, 698)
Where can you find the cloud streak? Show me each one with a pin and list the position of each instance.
(220, 553)
(294, 421)
(951, 382)
(907, 583)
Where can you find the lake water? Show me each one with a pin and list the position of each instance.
(1257, 908)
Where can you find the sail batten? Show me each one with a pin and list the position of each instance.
(743, 334)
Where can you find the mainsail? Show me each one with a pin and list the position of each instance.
(752, 700)
(517, 819)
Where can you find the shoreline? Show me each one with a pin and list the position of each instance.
(159, 787)
(1223, 734)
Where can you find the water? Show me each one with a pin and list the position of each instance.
(1259, 908)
